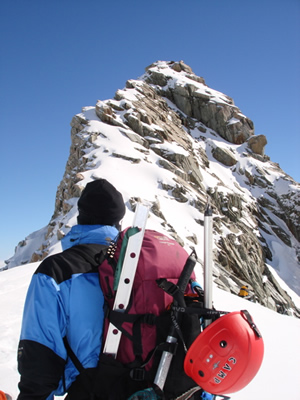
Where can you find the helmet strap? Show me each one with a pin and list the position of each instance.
(249, 319)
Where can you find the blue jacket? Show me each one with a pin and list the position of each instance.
(64, 299)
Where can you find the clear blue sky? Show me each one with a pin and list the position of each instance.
(61, 55)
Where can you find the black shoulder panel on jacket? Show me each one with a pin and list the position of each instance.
(83, 258)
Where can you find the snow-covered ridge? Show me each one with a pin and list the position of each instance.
(170, 140)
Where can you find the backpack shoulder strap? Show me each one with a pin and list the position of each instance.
(73, 356)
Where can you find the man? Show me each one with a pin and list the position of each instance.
(64, 299)
(243, 291)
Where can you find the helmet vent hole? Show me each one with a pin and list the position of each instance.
(201, 373)
(223, 344)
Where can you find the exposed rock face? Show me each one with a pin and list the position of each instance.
(206, 105)
(225, 156)
(177, 143)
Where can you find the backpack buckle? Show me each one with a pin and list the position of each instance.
(149, 319)
(137, 374)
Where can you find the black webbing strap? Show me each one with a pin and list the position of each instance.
(251, 323)
(73, 356)
(171, 289)
(206, 313)
(176, 324)
(139, 373)
(118, 318)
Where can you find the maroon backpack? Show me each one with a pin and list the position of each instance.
(160, 257)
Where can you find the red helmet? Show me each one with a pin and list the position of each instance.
(226, 356)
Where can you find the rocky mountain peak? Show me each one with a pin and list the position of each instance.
(169, 139)
(196, 100)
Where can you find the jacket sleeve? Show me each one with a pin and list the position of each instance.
(40, 369)
(41, 354)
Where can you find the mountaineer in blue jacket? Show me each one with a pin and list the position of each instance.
(65, 301)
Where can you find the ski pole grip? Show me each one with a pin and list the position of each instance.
(186, 273)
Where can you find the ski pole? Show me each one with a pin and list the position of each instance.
(166, 358)
(208, 259)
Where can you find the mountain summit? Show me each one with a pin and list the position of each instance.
(171, 141)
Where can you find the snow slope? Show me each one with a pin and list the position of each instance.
(277, 379)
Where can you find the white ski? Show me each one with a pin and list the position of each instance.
(127, 277)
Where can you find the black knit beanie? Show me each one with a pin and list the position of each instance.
(100, 204)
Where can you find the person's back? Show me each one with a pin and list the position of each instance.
(64, 299)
